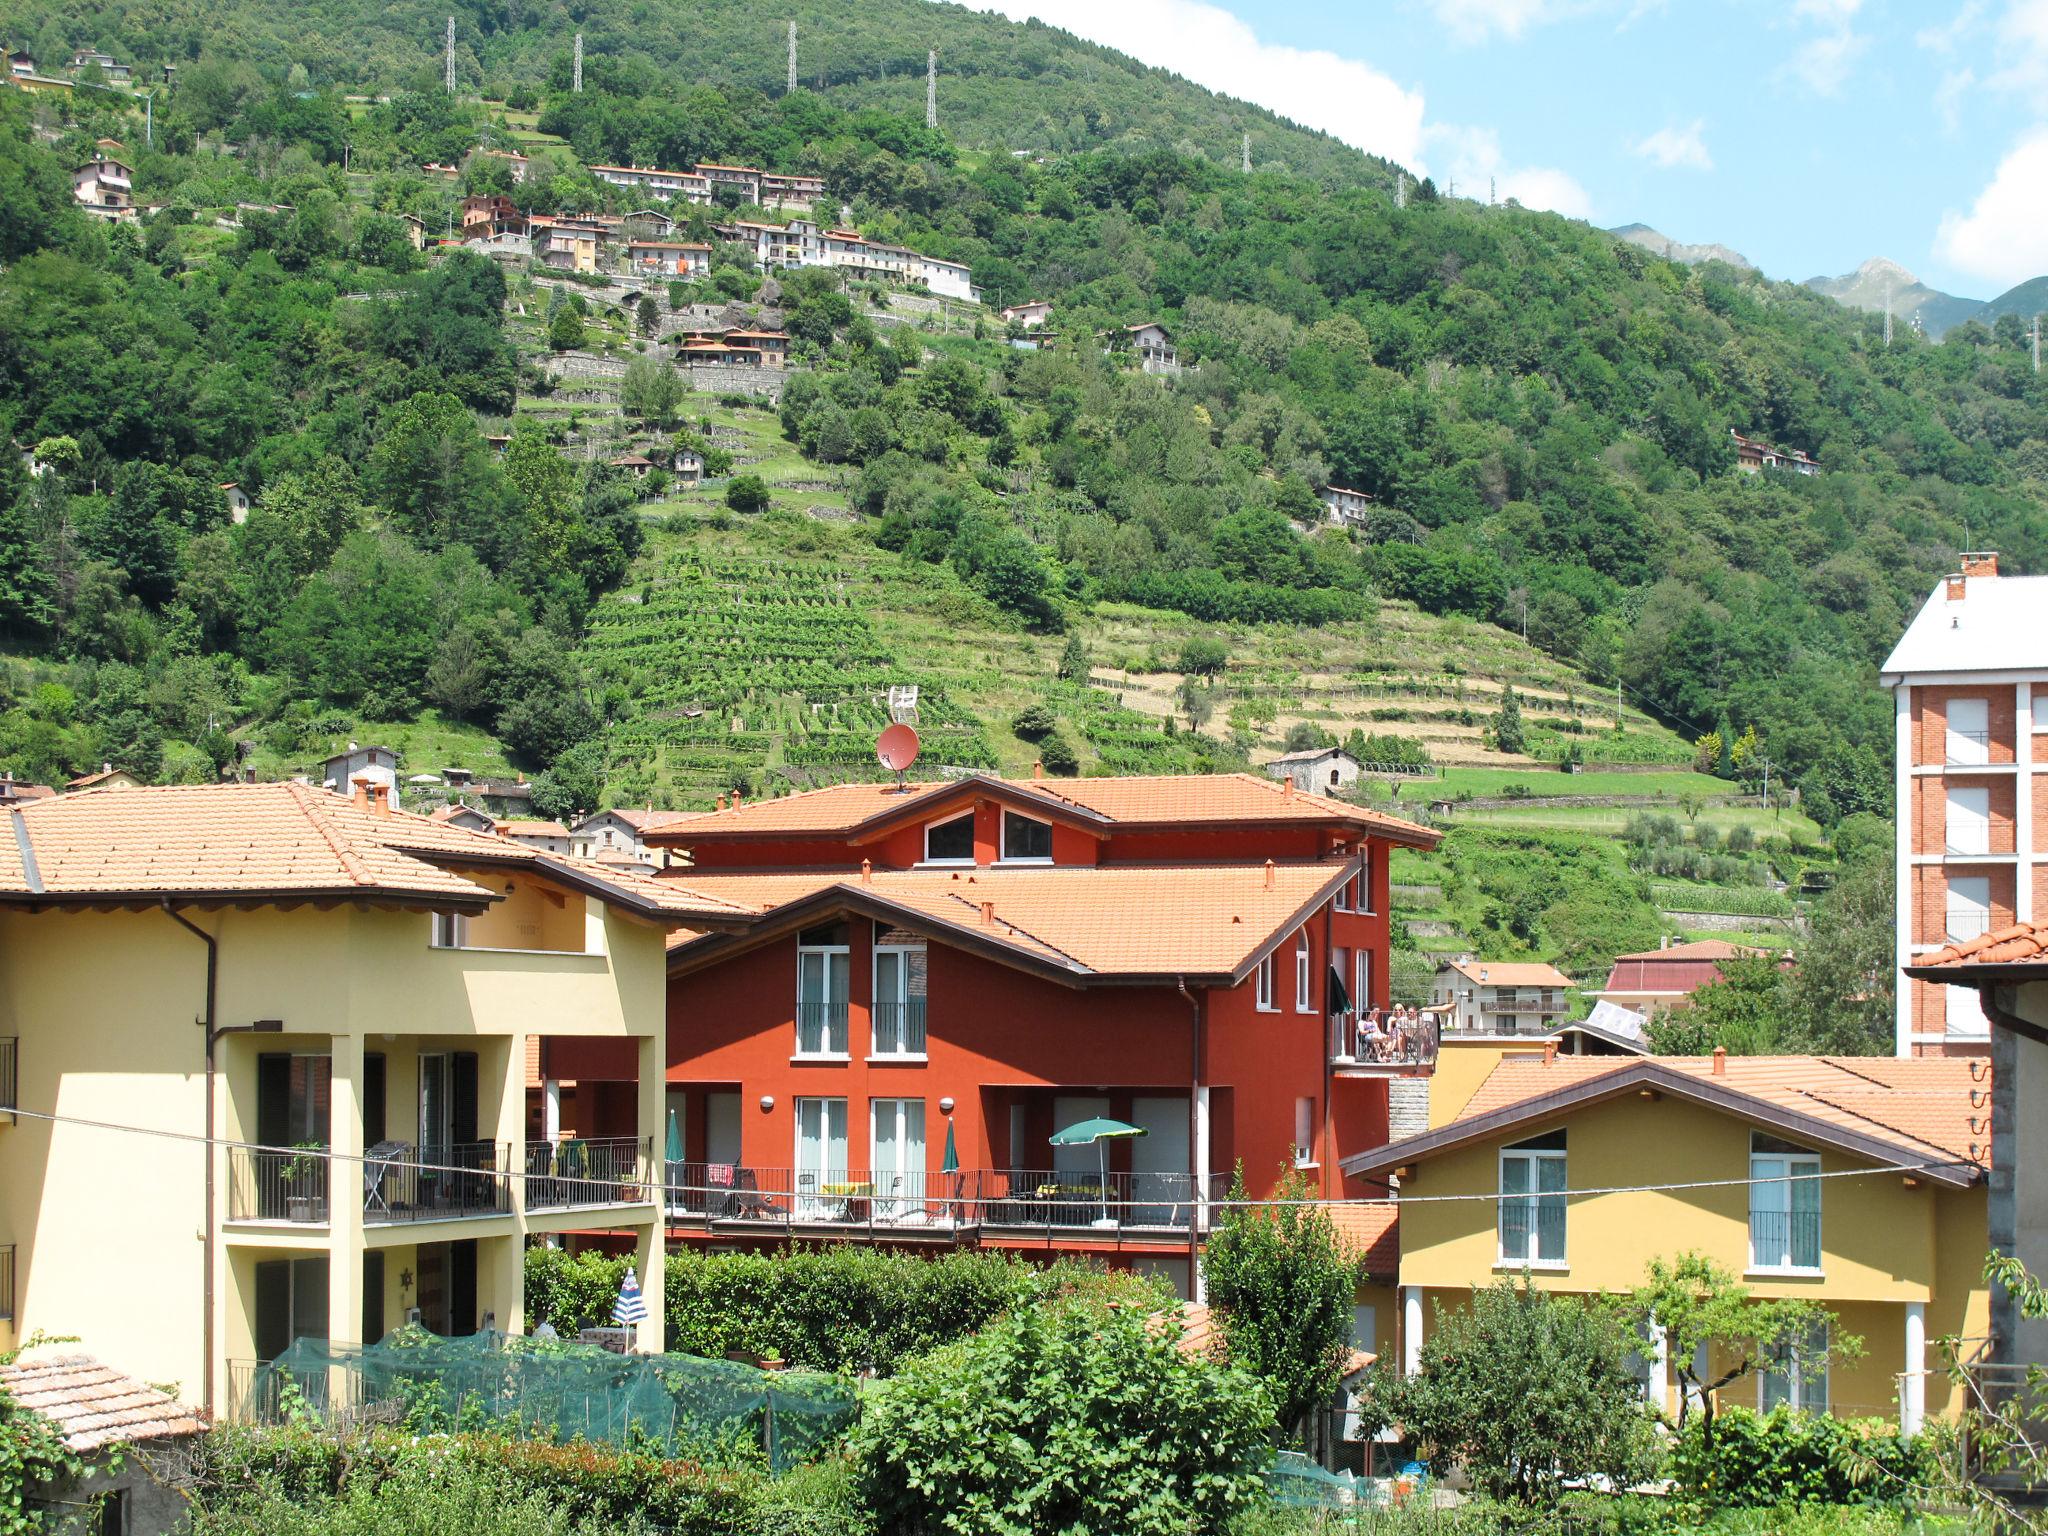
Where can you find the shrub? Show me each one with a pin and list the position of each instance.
(1786, 1457)
(1065, 1418)
(1203, 655)
(747, 493)
(1034, 722)
(1058, 756)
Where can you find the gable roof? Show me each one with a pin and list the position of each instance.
(1092, 925)
(638, 818)
(1995, 627)
(1931, 1114)
(291, 842)
(92, 1405)
(1696, 949)
(87, 780)
(1098, 805)
(1510, 973)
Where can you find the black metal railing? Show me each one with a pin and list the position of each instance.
(1784, 1239)
(1384, 1042)
(1532, 1229)
(436, 1183)
(278, 1184)
(899, 1028)
(609, 1170)
(821, 1028)
(6, 1282)
(905, 1204)
(1534, 1000)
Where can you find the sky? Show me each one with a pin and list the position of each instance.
(1810, 135)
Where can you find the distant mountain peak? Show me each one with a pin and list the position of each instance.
(1660, 244)
(1881, 281)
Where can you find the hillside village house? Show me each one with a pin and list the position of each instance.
(937, 978)
(1856, 1182)
(105, 188)
(568, 245)
(1501, 997)
(2008, 969)
(624, 831)
(804, 243)
(1658, 980)
(1318, 770)
(20, 63)
(369, 981)
(515, 163)
(116, 73)
(238, 503)
(1032, 316)
(736, 348)
(1345, 508)
(1149, 343)
(106, 777)
(543, 836)
(1969, 683)
(667, 258)
(355, 765)
(1753, 457)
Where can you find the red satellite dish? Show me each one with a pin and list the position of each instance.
(897, 748)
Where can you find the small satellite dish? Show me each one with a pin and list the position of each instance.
(897, 748)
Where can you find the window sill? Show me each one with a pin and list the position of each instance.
(1264, 1008)
(1044, 863)
(1308, 1167)
(1783, 1272)
(827, 1056)
(1534, 1266)
(896, 1059)
(484, 949)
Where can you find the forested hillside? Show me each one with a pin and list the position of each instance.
(1003, 84)
(1541, 411)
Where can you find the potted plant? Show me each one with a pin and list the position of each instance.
(305, 1183)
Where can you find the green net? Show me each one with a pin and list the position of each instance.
(679, 1404)
(1296, 1482)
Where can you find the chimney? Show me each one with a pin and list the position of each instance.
(867, 872)
(1979, 562)
(1956, 583)
(1663, 941)
(1269, 874)
(362, 790)
(1037, 768)
(1287, 787)
(988, 914)
(1549, 1052)
(1720, 1061)
(380, 798)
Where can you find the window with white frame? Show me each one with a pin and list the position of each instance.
(1342, 901)
(1026, 839)
(1361, 990)
(950, 842)
(1784, 1205)
(1361, 884)
(1304, 1133)
(1304, 1001)
(1262, 986)
(1532, 1184)
(1797, 1375)
(822, 970)
(451, 930)
(899, 999)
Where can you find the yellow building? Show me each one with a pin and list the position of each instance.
(1856, 1182)
(371, 981)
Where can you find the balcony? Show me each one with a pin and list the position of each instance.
(1358, 1052)
(1966, 923)
(908, 1207)
(1784, 1240)
(399, 1183)
(821, 1028)
(604, 1171)
(1967, 749)
(1526, 1000)
(899, 1028)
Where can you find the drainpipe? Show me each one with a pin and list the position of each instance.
(206, 1023)
(1197, 1174)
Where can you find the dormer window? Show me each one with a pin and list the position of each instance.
(1026, 839)
(950, 842)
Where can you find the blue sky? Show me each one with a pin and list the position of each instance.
(1807, 134)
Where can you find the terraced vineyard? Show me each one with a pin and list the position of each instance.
(736, 665)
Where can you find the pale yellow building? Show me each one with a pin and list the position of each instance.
(373, 980)
(1857, 1182)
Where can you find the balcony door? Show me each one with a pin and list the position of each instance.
(1968, 731)
(448, 1084)
(820, 1152)
(1969, 909)
(899, 1000)
(1969, 818)
(897, 1164)
(1159, 1163)
(822, 966)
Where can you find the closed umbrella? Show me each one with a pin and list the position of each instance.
(673, 1152)
(1101, 1133)
(630, 1310)
(950, 1163)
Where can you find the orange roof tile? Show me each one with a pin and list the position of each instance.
(517, 829)
(1511, 973)
(1371, 1234)
(1695, 949)
(2018, 944)
(266, 842)
(641, 819)
(1194, 920)
(92, 1405)
(1928, 1109)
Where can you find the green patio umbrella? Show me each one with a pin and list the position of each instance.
(1101, 1133)
(674, 1151)
(951, 1162)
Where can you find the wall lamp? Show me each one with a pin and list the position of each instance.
(767, 1102)
(946, 1105)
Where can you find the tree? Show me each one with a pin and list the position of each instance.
(647, 316)
(1063, 1417)
(1196, 702)
(1073, 666)
(1716, 1333)
(1523, 1389)
(1307, 736)
(1058, 757)
(1841, 993)
(1034, 722)
(1746, 1012)
(1283, 1290)
(1507, 723)
(1203, 655)
(651, 391)
(747, 493)
(565, 330)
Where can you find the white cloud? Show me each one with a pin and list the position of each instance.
(1340, 96)
(1829, 13)
(2003, 239)
(1822, 62)
(1951, 96)
(1948, 35)
(1671, 147)
(1476, 167)
(1474, 21)
(2022, 49)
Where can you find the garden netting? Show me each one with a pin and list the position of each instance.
(553, 1390)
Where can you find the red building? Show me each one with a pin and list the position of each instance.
(968, 967)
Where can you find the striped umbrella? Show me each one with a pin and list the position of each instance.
(631, 1307)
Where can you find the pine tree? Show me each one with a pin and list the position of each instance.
(1507, 725)
(1074, 660)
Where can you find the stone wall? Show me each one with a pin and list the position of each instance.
(734, 378)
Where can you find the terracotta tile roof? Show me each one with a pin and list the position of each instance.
(2018, 944)
(1696, 949)
(640, 819)
(1928, 1104)
(93, 1405)
(450, 812)
(1112, 920)
(87, 780)
(270, 842)
(1163, 800)
(1511, 973)
(1371, 1234)
(517, 829)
